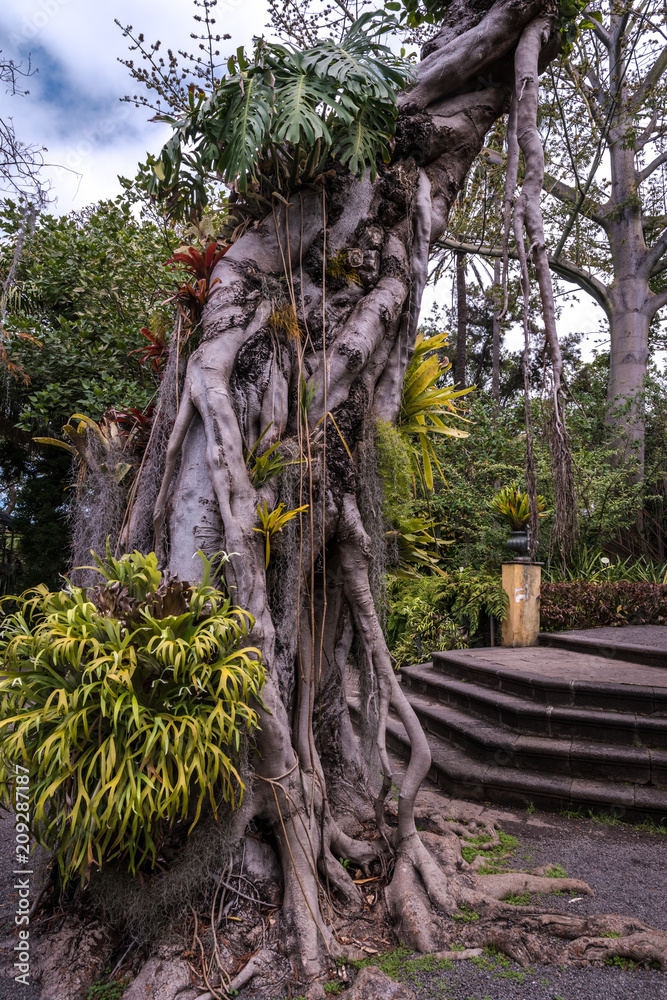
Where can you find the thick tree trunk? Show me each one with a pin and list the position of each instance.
(319, 392)
(629, 305)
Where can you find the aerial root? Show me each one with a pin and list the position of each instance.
(417, 895)
(362, 852)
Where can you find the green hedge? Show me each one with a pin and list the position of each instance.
(580, 604)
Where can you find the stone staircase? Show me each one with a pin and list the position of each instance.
(558, 725)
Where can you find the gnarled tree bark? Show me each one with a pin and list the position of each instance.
(319, 393)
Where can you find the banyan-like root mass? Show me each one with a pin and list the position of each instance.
(353, 874)
(448, 908)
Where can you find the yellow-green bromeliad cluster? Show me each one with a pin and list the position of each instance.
(128, 703)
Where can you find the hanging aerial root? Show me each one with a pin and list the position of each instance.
(523, 134)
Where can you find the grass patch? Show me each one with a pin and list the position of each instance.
(498, 965)
(398, 964)
(519, 977)
(334, 987)
(466, 914)
(646, 823)
(476, 845)
(611, 934)
(110, 990)
(556, 871)
(497, 957)
(518, 899)
(621, 963)
(480, 838)
(483, 964)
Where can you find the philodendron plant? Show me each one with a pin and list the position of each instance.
(512, 506)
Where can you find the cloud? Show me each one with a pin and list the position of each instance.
(74, 108)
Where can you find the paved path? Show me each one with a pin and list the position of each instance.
(653, 636)
(545, 661)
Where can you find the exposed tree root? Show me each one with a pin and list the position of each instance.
(353, 877)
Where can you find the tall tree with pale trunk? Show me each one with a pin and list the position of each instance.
(604, 109)
(305, 339)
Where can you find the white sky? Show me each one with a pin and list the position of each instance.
(73, 108)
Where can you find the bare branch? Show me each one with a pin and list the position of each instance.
(11, 71)
(651, 79)
(564, 268)
(655, 253)
(659, 268)
(647, 134)
(603, 35)
(652, 166)
(657, 302)
(346, 10)
(591, 209)
(619, 30)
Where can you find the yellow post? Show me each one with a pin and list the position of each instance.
(521, 583)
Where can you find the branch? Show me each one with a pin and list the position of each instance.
(647, 171)
(565, 269)
(658, 301)
(595, 105)
(555, 187)
(346, 10)
(455, 58)
(591, 209)
(659, 268)
(654, 254)
(647, 134)
(651, 79)
(602, 34)
(619, 31)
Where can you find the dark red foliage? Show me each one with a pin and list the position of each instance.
(199, 264)
(587, 605)
(134, 424)
(201, 267)
(157, 350)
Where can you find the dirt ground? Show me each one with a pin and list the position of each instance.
(624, 864)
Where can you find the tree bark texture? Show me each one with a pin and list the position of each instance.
(319, 385)
(617, 106)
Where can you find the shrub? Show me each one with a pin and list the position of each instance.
(437, 613)
(128, 704)
(582, 604)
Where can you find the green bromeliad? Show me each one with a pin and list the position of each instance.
(128, 704)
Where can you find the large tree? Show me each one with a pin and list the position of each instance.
(603, 109)
(305, 338)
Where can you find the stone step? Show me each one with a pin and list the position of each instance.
(560, 677)
(646, 645)
(461, 776)
(493, 743)
(533, 717)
